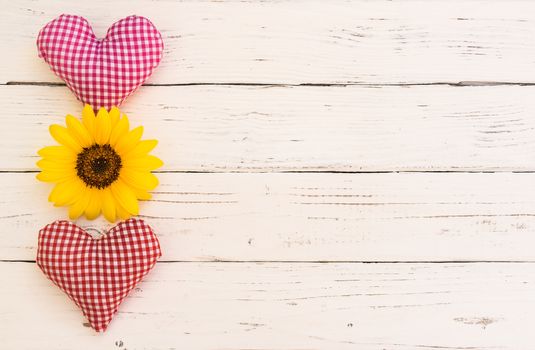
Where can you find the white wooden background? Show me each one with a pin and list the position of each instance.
(339, 175)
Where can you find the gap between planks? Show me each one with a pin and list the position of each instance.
(461, 171)
(318, 261)
(445, 83)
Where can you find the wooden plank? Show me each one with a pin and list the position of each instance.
(286, 306)
(311, 217)
(295, 42)
(222, 128)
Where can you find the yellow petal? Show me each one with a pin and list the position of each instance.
(142, 194)
(140, 179)
(146, 163)
(108, 205)
(125, 197)
(88, 118)
(121, 212)
(79, 206)
(61, 134)
(142, 148)
(94, 205)
(57, 152)
(102, 127)
(65, 192)
(115, 114)
(78, 131)
(54, 176)
(129, 140)
(120, 129)
(47, 164)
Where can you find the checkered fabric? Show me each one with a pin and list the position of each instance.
(101, 72)
(97, 274)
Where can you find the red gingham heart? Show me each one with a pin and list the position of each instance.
(101, 72)
(97, 274)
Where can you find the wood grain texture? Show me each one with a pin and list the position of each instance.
(311, 136)
(280, 306)
(311, 217)
(302, 42)
(258, 129)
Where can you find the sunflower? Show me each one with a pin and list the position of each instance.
(99, 166)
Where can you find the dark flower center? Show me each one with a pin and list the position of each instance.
(98, 166)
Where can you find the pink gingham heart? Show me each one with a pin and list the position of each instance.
(101, 72)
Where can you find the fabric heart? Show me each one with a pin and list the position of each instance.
(97, 274)
(101, 72)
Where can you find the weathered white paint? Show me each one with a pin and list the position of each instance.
(251, 129)
(312, 217)
(302, 42)
(248, 210)
(286, 306)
